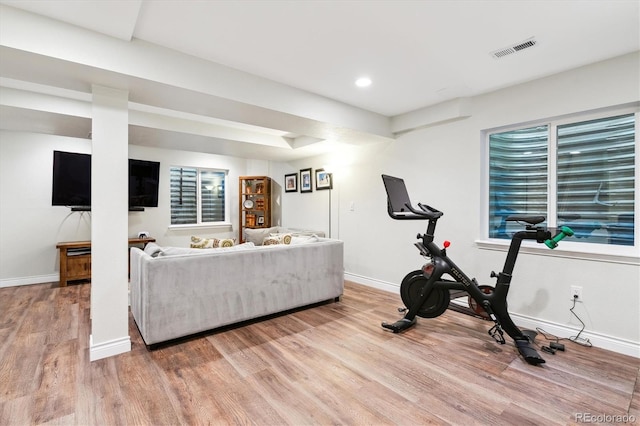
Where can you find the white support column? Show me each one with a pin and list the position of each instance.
(109, 223)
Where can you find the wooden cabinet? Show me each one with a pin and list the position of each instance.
(75, 259)
(254, 203)
(78, 266)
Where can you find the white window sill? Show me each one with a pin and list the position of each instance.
(217, 225)
(593, 252)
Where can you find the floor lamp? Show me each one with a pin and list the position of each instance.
(330, 187)
(330, 178)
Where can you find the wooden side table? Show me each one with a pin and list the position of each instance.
(75, 259)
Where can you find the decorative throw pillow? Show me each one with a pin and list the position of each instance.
(199, 242)
(271, 241)
(226, 242)
(282, 238)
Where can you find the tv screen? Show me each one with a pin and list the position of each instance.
(143, 183)
(71, 179)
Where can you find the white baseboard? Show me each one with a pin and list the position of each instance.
(110, 348)
(36, 279)
(614, 344)
(380, 285)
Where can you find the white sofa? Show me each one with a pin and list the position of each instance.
(180, 291)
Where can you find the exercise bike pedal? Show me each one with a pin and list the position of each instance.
(402, 309)
(529, 353)
(400, 325)
(497, 333)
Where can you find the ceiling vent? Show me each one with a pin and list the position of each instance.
(506, 51)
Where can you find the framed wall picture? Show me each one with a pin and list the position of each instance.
(305, 180)
(323, 180)
(291, 182)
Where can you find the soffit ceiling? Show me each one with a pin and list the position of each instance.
(418, 53)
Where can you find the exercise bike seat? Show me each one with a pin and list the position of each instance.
(531, 220)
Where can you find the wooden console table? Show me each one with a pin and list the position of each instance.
(75, 259)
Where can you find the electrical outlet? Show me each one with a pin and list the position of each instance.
(576, 293)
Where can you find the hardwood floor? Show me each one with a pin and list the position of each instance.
(330, 364)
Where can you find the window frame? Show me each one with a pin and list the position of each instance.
(199, 224)
(568, 247)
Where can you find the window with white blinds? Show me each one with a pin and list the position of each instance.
(198, 196)
(580, 174)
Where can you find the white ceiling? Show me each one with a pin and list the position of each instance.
(418, 53)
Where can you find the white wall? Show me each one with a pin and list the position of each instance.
(30, 227)
(442, 167)
(311, 210)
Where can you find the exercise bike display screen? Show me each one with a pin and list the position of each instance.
(396, 194)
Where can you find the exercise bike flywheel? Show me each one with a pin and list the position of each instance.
(437, 302)
(477, 309)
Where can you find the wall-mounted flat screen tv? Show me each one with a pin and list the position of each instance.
(72, 181)
(143, 183)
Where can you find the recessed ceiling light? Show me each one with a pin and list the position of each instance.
(363, 82)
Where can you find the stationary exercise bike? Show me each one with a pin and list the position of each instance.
(425, 292)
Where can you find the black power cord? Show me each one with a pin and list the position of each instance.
(555, 341)
(577, 339)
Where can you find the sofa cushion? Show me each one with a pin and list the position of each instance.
(173, 251)
(297, 232)
(239, 247)
(152, 249)
(257, 235)
(275, 241)
(304, 239)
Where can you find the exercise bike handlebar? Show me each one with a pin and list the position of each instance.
(425, 212)
(565, 231)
